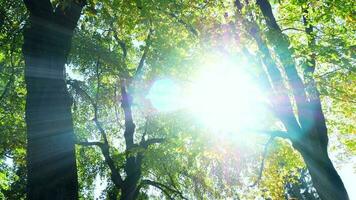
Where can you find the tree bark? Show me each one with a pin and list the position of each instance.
(312, 141)
(325, 178)
(129, 190)
(51, 162)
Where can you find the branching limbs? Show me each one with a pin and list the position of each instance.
(281, 104)
(284, 54)
(104, 146)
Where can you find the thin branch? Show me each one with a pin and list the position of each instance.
(326, 74)
(121, 43)
(99, 144)
(144, 55)
(265, 151)
(291, 28)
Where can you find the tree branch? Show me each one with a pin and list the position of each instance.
(265, 151)
(144, 55)
(291, 28)
(284, 54)
(99, 144)
(115, 175)
(122, 45)
(280, 100)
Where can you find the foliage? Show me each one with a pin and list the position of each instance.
(172, 39)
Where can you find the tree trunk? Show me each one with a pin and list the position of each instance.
(129, 191)
(313, 140)
(51, 162)
(325, 178)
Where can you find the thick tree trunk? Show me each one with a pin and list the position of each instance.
(325, 178)
(313, 140)
(51, 162)
(132, 167)
(129, 191)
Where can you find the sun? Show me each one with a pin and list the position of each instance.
(224, 97)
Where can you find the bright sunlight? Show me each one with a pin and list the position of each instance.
(222, 96)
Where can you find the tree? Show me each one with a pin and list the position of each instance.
(123, 50)
(51, 161)
(307, 130)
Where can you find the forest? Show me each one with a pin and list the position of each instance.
(177, 99)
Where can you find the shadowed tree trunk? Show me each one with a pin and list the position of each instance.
(312, 140)
(51, 163)
(307, 128)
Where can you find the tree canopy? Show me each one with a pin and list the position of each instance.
(167, 99)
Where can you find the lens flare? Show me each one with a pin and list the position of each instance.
(224, 97)
(164, 95)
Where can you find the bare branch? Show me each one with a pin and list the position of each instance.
(121, 43)
(145, 131)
